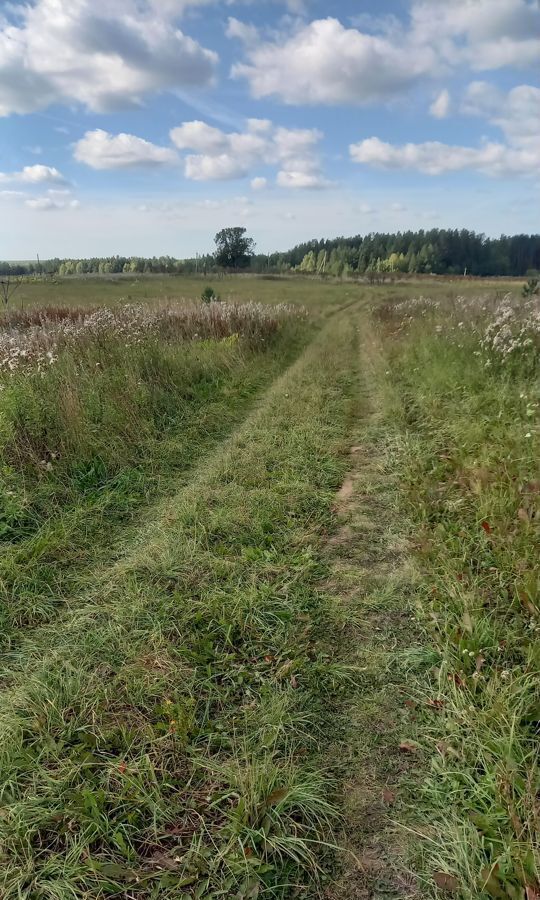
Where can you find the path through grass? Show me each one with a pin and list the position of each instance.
(161, 742)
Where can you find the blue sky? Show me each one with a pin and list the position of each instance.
(144, 126)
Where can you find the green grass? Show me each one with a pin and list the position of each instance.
(208, 661)
(469, 463)
(313, 293)
(160, 740)
(105, 431)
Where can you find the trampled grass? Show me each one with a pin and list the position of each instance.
(158, 739)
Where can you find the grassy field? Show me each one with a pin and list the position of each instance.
(269, 591)
(109, 291)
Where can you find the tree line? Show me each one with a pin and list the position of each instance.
(436, 251)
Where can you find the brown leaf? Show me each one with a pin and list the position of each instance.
(532, 892)
(523, 515)
(435, 704)
(486, 526)
(294, 681)
(457, 679)
(388, 797)
(445, 882)
(277, 796)
(479, 662)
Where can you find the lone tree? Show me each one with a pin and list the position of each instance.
(233, 249)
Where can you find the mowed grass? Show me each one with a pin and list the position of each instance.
(159, 738)
(468, 432)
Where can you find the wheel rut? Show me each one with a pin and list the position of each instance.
(372, 578)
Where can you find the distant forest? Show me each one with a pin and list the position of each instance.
(438, 252)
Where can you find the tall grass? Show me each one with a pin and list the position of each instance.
(127, 402)
(470, 454)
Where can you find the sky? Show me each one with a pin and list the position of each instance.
(144, 126)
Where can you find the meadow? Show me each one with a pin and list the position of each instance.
(269, 593)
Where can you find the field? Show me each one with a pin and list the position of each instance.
(269, 590)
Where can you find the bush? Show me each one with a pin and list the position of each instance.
(209, 295)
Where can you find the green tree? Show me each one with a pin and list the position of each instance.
(234, 249)
(308, 263)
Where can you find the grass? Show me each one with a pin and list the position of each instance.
(468, 458)
(326, 295)
(209, 673)
(90, 441)
(158, 740)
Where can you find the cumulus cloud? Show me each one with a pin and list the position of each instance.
(440, 107)
(324, 62)
(516, 112)
(37, 174)
(483, 34)
(101, 150)
(327, 63)
(435, 158)
(221, 155)
(259, 183)
(100, 54)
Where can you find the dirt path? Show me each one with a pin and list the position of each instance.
(372, 577)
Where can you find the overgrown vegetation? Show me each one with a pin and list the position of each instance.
(101, 410)
(468, 397)
(158, 733)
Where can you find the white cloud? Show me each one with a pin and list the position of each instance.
(324, 62)
(44, 204)
(294, 179)
(214, 168)
(101, 150)
(221, 155)
(483, 34)
(100, 54)
(435, 158)
(37, 174)
(259, 183)
(516, 112)
(440, 108)
(398, 208)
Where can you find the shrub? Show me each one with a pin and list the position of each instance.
(209, 295)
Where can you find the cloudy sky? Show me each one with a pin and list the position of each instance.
(143, 126)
